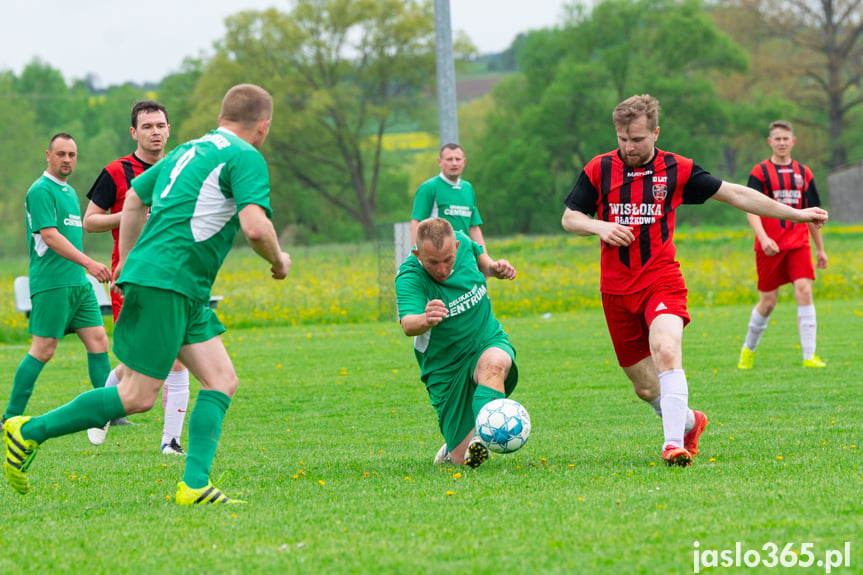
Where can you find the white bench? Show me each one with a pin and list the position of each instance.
(24, 305)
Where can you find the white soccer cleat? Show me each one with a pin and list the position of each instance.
(97, 435)
(173, 448)
(443, 455)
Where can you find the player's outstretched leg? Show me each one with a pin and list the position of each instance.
(19, 454)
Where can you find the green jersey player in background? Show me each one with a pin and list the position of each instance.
(449, 196)
(199, 196)
(63, 301)
(464, 355)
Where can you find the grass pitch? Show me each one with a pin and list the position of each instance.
(331, 438)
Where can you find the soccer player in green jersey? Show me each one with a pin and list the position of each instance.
(199, 196)
(448, 196)
(465, 357)
(63, 300)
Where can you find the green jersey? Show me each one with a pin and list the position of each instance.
(195, 194)
(456, 203)
(51, 203)
(470, 323)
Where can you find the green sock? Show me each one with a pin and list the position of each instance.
(205, 427)
(90, 409)
(22, 386)
(483, 395)
(99, 367)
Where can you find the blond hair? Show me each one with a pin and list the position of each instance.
(436, 231)
(633, 108)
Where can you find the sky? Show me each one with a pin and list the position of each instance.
(119, 41)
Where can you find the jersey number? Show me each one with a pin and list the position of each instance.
(178, 167)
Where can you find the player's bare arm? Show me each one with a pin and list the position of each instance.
(475, 233)
(611, 233)
(820, 255)
(770, 247)
(500, 269)
(64, 248)
(97, 220)
(132, 220)
(261, 234)
(754, 202)
(418, 324)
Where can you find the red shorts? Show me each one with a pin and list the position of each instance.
(783, 268)
(629, 316)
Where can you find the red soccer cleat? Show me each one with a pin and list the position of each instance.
(676, 456)
(690, 440)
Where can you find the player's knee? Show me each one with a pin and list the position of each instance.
(646, 393)
(665, 355)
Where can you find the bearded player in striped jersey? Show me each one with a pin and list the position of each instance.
(627, 197)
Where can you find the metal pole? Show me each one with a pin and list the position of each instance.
(446, 100)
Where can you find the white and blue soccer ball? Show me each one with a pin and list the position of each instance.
(504, 425)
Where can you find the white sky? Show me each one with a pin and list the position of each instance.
(143, 41)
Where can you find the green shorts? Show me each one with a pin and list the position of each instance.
(59, 311)
(155, 323)
(451, 394)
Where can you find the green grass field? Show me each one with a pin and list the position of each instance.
(330, 439)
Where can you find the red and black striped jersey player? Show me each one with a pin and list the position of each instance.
(782, 251)
(150, 130)
(627, 197)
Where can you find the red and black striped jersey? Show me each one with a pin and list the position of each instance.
(109, 191)
(644, 199)
(793, 185)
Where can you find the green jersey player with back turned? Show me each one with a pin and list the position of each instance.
(200, 195)
(465, 357)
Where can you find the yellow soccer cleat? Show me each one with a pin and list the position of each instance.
(814, 361)
(19, 454)
(747, 358)
(207, 494)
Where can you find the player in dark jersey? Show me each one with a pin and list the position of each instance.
(782, 251)
(150, 129)
(633, 192)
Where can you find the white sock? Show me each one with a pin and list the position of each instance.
(112, 380)
(657, 407)
(673, 394)
(808, 328)
(175, 400)
(757, 325)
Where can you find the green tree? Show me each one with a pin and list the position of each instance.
(22, 159)
(341, 72)
(550, 120)
(811, 53)
(47, 92)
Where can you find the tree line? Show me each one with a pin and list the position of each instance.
(346, 74)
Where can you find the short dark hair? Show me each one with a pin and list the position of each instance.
(450, 146)
(147, 106)
(59, 136)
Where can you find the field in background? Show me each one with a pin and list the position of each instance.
(330, 438)
(342, 284)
